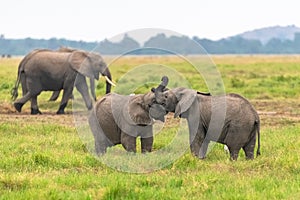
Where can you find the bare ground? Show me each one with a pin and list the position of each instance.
(8, 114)
(272, 114)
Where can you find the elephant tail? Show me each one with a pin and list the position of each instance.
(14, 91)
(257, 124)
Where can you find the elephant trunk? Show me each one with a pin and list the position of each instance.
(108, 84)
(93, 91)
(162, 86)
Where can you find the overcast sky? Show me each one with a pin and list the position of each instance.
(95, 20)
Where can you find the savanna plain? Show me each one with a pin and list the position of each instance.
(42, 156)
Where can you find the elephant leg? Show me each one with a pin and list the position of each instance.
(100, 145)
(54, 96)
(101, 141)
(146, 144)
(128, 142)
(234, 153)
(32, 88)
(82, 87)
(23, 83)
(249, 148)
(203, 149)
(196, 141)
(34, 106)
(19, 103)
(195, 147)
(64, 101)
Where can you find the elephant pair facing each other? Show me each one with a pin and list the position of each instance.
(118, 119)
(47, 70)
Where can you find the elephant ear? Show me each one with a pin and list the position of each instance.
(81, 62)
(137, 112)
(185, 99)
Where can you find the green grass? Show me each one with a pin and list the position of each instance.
(56, 165)
(42, 157)
(269, 77)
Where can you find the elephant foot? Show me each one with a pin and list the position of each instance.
(60, 112)
(18, 106)
(100, 153)
(197, 155)
(61, 109)
(35, 111)
(146, 150)
(233, 157)
(90, 107)
(131, 151)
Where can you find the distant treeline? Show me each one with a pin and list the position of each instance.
(172, 44)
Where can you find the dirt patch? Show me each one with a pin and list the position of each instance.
(21, 118)
(284, 106)
(8, 114)
(7, 108)
(278, 113)
(272, 113)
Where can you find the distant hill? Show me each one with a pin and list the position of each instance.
(264, 35)
(270, 40)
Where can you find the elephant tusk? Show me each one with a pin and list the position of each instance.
(110, 82)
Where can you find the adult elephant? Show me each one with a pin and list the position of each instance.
(46, 70)
(237, 131)
(55, 94)
(119, 119)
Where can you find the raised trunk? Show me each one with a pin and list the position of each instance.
(93, 91)
(159, 90)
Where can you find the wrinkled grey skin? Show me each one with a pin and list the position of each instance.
(118, 119)
(55, 94)
(46, 70)
(239, 128)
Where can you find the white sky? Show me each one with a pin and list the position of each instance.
(95, 20)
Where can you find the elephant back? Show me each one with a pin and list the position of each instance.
(47, 60)
(239, 109)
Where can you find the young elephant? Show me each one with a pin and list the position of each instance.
(118, 119)
(237, 129)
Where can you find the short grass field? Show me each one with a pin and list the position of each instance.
(44, 157)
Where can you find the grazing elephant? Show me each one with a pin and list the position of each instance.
(240, 123)
(46, 70)
(118, 119)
